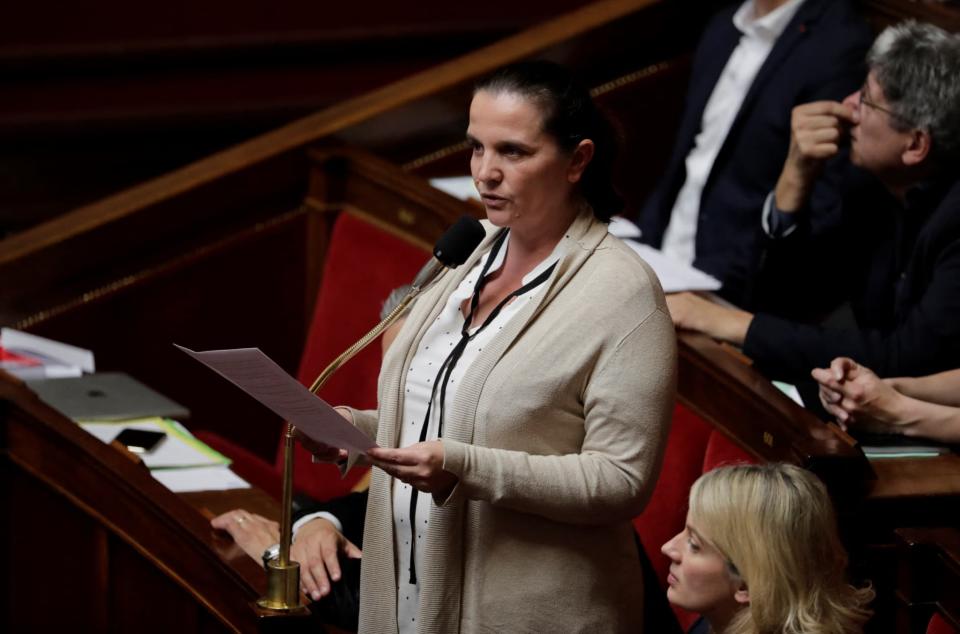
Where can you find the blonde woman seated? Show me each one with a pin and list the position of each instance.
(760, 553)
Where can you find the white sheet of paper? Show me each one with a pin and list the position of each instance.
(675, 276)
(461, 187)
(623, 228)
(260, 377)
(66, 354)
(790, 390)
(200, 479)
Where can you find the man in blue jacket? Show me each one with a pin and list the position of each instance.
(755, 62)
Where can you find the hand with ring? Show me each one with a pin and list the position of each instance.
(253, 533)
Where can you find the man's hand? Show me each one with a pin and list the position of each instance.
(816, 131)
(316, 548)
(855, 394)
(692, 312)
(419, 465)
(253, 533)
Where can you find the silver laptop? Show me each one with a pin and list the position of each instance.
(105, 396)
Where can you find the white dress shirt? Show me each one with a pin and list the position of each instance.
(436, 344)
(758, 39)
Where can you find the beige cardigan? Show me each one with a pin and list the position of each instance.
(556, 435)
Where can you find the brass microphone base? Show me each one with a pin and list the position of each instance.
(283, 587)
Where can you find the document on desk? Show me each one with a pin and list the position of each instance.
(179, 450)
(675, 276)
(200, 479)
(260, 377)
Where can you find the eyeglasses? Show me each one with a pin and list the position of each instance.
(875, 106)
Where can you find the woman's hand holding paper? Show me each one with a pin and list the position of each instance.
(420, 465)
(321, 452)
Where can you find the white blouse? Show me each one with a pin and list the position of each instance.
(441, 337)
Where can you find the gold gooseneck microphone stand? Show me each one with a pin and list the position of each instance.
(283, 575)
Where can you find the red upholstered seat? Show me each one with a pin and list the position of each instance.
(939, 625)
(363, 264)
(722, 451)
(693, 448)
(666, 513)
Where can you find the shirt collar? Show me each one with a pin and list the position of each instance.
(547, 262)
(770, 26)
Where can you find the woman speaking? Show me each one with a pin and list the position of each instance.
(525, 405)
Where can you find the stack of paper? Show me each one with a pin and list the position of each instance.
(461, 187)
(675, 276)
(181, 462)
(31, 357)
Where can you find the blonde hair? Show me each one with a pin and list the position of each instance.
(775, 525)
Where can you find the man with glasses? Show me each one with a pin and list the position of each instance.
(895, 254)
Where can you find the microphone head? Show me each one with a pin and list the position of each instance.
(455, 246)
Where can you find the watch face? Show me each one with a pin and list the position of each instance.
(271, 553)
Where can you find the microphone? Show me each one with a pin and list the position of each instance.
(452, 249)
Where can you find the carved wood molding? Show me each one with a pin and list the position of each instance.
(882, 13)
(313, 128)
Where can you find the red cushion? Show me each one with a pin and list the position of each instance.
(938, 625)
(363, 264)
(722, 451)
(693, 448)
(666, 513)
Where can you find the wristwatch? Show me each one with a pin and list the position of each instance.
(270, 554)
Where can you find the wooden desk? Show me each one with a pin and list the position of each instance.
(918, 492)
(916, 477)
(90, 542)
(928, 579)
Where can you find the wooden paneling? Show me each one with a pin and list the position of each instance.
(272, 163)
(95, 544)
(610, 52)
(133, 610)
(46, 27)
(246, 289)
(928, 580)
(99, 96)
(882, 13)
(52, 548)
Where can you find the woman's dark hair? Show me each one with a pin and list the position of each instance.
(569, 116)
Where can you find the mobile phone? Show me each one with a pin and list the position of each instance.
(140, 441)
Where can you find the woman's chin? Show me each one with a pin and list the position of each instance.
(676, 599)
(498, 217)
